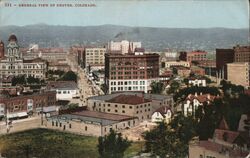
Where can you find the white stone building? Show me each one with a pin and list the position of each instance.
(65, 90)
(13, 63)
(200, 82)
(123, 46)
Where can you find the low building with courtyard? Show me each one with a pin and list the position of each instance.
(91, 123)
(134, 104)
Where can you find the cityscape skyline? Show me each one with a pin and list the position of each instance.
(164, 14)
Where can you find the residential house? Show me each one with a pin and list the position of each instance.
(192, 102)
(163, 113)
(224, 144)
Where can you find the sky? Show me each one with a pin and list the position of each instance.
(146, 13)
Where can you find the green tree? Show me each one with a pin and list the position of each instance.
(157, 87)
(112, 145)
(104, 88)
(69, 76)
(32, 80)
(171, 140)
(18, 80)
(174, 87)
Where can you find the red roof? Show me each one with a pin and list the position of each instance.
(223, 124)
(128, 99)
(201, 98)
(163, 110)
(226, 135)
(222, 149)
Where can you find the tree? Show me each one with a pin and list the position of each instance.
(209, 121)
(171, 140)
(104, 88)
(18, 80)
(112, 145)
(32, 80)
(174, 87)
(69, 76)
(157, 87)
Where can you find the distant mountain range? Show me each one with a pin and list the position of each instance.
(154, 39)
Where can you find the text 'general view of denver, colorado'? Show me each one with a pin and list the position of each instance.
(132, 79)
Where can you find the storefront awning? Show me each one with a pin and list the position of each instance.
(16, 115)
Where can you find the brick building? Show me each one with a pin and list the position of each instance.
(238, 73)
(131, 72)
(242, 53)
(223, 57)
(193, 56)
(27, 103)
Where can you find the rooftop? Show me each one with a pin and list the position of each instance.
(94, 117)
(34, 60)
(62, 85)
(222, 149)
(128, 99)
(163, 110)
(146, 96)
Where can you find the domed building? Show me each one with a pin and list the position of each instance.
(12, 62)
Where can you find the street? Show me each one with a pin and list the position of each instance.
(87, 87)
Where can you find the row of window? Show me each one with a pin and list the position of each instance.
(123, 106)
(127, 82)
(135, 88)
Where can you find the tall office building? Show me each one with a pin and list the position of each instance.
(131, 72)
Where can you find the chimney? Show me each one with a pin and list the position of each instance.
(208, 96)
(196, 94)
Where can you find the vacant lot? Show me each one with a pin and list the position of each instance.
(42, 143)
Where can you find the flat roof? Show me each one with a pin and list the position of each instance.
(62, 85)
(146, 96)
(129, 99)
(94, 117)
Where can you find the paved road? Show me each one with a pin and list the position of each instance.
(21, 125)
(86, 86)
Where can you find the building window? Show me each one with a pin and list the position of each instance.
(52, 123)
(60, 124)
(123, 106)
(116, 111)
(123, 111)
(130, 107)
(56, 124)
(86, 128)
(70, 126)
